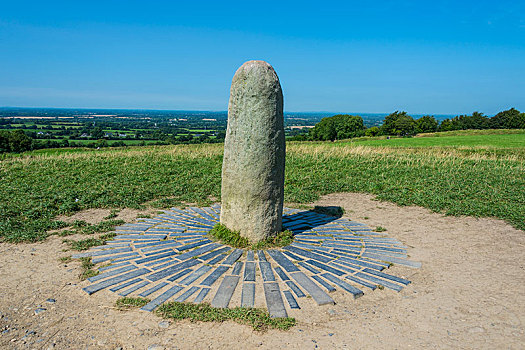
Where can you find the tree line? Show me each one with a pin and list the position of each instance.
(343, 126)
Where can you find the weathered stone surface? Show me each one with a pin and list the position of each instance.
(254, 154)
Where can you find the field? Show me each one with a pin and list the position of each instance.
(455, 176)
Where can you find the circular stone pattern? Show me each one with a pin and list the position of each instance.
(169, 257)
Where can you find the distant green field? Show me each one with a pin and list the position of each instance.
(453, 179)
(516, 140)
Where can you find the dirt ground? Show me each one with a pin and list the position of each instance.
(468, 294)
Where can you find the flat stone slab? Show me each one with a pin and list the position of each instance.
(171, 258)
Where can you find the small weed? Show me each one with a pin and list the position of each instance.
(380, 287)
(65, 259)
(113, 214)
(130, 303)
(366, 217)
(221, 233)
(380, 229)
(145, 216)
(85, 244)
(258, 319)
(87, 269)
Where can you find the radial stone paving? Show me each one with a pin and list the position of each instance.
(169, 258)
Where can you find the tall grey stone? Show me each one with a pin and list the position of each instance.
(254, 153)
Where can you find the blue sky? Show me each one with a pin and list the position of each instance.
(439, 57)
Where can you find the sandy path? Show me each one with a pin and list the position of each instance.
(468, 294)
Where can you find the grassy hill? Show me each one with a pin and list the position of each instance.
(477, 174)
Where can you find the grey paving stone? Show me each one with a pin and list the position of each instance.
(171, 262)
(212, 277)
(198, 251)
(156, 257)
(349, 288)
(311, 288)
(115, 258)
(379, 281)
(112, 273)
(249, 272)
(160, 262)
(201, 271)
(153, 290)
(295, 289)
(293, 256)
(387, 276)
(325, 284)
(308, 254)
(113, 266)
(214, 253)
(172, 270)
(179, 275)
(250, 255)
(217, 259)
(224, 293)
(248, 295)
(283, 260)
(152, 305)
(188, 293)
(349, 268)
(193, 245)
(115, 280)
(291, 300)
(361, 282)
(124, 285)
(237, 269)
(325, 267)
(342, 260)
(261, 255)
(282, 274)
(266, 271)
(274, 300)
(162, 251)
(307, 267)
(134, 288)
(160, 245)
(202, 294)
(233, 257)
(403, 262)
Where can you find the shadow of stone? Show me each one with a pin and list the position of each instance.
(303, 221)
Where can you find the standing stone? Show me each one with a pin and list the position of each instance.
(254, 153)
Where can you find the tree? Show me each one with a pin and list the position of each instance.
(373, 131)
(427, 123)
(14, 141)
(398, 123)
(405, 125)
(338, 127)
(97, 132)
(509, 119)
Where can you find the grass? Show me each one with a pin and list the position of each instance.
(85, 244)
(478, 181)
(127, 303)
(82, 227)
(258, 319)
(221, 233)
(87, 269)
(464, 138)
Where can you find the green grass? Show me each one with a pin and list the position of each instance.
(221, 233)
(452, 139)
(475, 181)
(82, 227)
(258, 319)
(85, 244)
(87, 269)
(130, 303)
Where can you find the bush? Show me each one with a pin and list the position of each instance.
(14, 141)
(338, 127)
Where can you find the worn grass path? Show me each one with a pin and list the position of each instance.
(474, 181)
